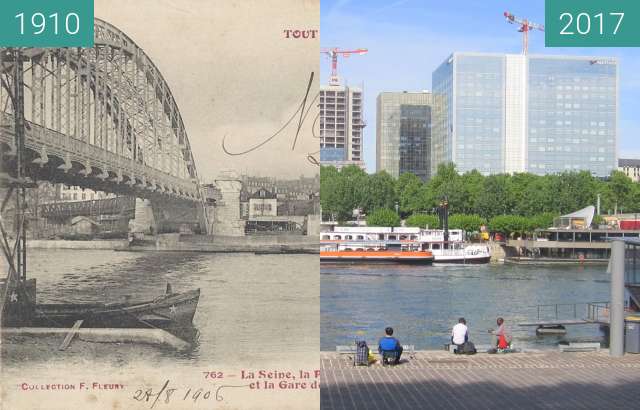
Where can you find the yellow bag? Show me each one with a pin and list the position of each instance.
(372, 358)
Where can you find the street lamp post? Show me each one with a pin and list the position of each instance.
(444, 219)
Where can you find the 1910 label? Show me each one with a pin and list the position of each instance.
(46, 23)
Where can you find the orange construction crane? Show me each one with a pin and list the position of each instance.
(333, 54)
(525, 27)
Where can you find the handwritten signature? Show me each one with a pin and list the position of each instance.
(167, 394)
(303, 111)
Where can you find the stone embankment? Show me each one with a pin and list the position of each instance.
(194, 243)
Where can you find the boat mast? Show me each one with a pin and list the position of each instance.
(13, 176)
(21, 200)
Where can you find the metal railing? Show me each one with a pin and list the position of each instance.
(579, 310)
(598, 312)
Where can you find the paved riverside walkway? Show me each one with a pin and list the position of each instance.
(441, 380)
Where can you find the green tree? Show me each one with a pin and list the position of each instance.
(620, 192)
(510, 224)
(342, 191)
(532, 194)
(472, 187)
(571, 191)
(543, 220)
(329, 192)
(379, 192)
(468, 223)
(495, 199)
(383, 217)
(447, 183)
(423, 221)
(597, 220)
(408, 192)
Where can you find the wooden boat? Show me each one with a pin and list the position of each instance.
(168, 311)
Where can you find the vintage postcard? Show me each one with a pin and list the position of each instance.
(160, 209)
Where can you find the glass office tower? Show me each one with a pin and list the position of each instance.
(514, 113)
(403, 133)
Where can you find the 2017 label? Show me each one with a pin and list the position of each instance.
(583, 23)
(592, 23)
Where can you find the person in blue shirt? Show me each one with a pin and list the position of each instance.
(388, 343)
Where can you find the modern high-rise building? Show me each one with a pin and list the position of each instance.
(503, 113)
(341, 125)
(403, 133)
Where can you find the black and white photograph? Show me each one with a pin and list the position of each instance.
(160, 210)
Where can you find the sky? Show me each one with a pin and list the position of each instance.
(408, 39)
(232, 73)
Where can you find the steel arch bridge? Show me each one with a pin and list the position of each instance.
(102, 118)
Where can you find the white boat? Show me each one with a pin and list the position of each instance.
(455, 250)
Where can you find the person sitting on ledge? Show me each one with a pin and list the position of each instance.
(501, 336)
(389, 347)
(460, 335)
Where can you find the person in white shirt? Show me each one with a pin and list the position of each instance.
(460, 333)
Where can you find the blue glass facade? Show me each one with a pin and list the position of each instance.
(548, 114)
(572, 115)
(333, 154)
(442, 115)
(479, 120)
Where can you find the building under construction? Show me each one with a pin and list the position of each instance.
(341, 125)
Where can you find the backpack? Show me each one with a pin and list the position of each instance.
(468, 348)
(362, 354)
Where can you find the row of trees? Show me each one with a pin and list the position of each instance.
(508, 224)
(507, 203)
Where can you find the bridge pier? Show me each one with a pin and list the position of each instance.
(226, 218)
(144, 220)
(177, 216)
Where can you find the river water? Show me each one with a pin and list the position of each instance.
(252, 308)
(423, 303)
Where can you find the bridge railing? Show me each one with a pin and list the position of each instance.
(81, 151)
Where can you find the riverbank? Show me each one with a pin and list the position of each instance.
(106, 244)
(441, 380)
(273, 244)
(263, 244)
(553, 261)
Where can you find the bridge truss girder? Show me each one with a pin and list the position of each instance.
(101, 118)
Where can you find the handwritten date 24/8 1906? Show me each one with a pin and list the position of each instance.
(168, 394)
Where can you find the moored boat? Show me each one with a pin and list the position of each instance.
(453, 249)
(374, 253)
(171, 311)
